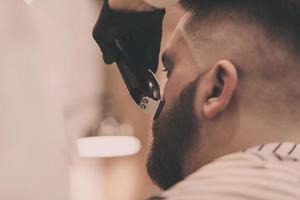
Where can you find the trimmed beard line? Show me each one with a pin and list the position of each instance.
(173, 135)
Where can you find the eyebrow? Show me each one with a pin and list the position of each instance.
(167, 62)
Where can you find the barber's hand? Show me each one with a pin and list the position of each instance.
(139, 32)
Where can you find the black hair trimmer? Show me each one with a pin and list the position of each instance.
(132, 40)
(141, 83)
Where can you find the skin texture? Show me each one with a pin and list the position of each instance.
(248, 94)
(242, 99)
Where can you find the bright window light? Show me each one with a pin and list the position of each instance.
(108, 146)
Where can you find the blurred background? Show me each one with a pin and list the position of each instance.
(55, 89)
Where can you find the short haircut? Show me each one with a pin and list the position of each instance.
(279, 18)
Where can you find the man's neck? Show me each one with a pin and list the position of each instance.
(254, 131)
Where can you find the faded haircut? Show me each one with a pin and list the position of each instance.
(273, 69)
(280, 18)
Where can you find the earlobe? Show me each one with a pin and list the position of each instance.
(224, 79)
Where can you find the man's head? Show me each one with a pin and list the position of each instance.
(233, 70)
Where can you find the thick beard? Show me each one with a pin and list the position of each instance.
(173, 136)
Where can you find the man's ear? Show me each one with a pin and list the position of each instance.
(222, 82)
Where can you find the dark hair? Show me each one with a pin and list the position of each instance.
(279, 18)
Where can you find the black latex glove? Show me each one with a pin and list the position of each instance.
(138, 33)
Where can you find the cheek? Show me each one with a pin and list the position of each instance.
(200, 100)
(172, 89)
(177, 81)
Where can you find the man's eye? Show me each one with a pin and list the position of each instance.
(165, 70)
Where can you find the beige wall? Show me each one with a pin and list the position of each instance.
(51, 81)
(33, 151)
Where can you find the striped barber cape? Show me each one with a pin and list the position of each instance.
(266, 172)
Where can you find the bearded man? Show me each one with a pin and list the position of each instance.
(231, 124)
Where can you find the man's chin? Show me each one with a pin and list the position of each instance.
(164, 169)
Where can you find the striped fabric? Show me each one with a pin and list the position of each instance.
(266, 172)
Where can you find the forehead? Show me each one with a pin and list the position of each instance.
(181, 62)
(180, 48)
(178, 38)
